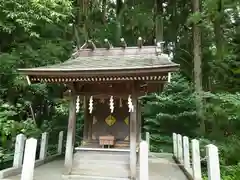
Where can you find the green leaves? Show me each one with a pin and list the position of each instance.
(195, 18)
(171, 111)
(27, 14)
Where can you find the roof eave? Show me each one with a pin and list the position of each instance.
(68, 72)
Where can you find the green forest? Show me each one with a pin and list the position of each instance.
(201, 101)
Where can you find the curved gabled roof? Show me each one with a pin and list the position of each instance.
(101, 62)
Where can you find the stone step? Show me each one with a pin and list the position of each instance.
(93, 156)
(82, 177)
(104, 171)
(101, 164)
(101, 157)
(106, 153)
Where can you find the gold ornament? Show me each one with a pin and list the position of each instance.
(126, 120)
(110, 120)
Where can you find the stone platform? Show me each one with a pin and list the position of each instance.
(161, 166)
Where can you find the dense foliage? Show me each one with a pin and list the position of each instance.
(36, 33)
(174, 111)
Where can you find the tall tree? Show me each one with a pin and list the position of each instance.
(159, 20)
(197, 51)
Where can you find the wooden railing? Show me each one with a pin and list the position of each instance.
(189, 158)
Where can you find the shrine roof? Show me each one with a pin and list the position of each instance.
(113, 60)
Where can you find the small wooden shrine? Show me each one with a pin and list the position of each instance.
(110, 80)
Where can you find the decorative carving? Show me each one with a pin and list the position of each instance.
(126, 120)
(77, 104)
(111, 103)
(110, 120)
(97, 79)
(130, 105)
(90, 105)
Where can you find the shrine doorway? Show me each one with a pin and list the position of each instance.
(101, 122)
(106, 123)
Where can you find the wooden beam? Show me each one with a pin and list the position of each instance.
(28, 80)
(133, 135)
(115, 89)
(105, 79)
(70, 134)
(158, 69)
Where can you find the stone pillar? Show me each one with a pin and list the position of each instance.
(144, 170)
(175, 145)
(60, 142)
(19, 150)
(180, 148)
(196, 161)
(29, 159)
(186, 157)
(43, 147)
(133, 138)
(213, 162)
(70, 135)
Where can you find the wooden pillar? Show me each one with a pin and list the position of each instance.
(70, 134)
(133, 137)
(137, 124)
(90, 122)
(139, 120)
(85, 105)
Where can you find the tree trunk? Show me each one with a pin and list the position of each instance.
(218, 31)
(198, 68)
(159, 20)
(219, 40)
(104, 10)
(119, 14)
